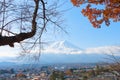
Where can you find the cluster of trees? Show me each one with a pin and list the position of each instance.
(57, 75)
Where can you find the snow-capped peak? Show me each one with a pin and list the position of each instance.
(62, 47)
(63, 44)
(65, 47)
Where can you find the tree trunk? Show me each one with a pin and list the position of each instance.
(10, 40)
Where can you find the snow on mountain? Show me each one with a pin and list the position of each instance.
(66, 52)
(65, 47)
(63, 44)
(62, 47)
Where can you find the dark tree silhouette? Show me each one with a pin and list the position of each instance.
(10, 40)
(25, 19)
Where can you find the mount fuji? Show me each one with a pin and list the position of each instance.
(62, 47)
(66, 52)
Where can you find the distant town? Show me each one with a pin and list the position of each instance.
(59, 72)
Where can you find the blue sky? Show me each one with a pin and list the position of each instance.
(80, 32)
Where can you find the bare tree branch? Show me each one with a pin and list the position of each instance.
(5, 40)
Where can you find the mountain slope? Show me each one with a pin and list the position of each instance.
(65, 47)
(66, 52)
(62, 47)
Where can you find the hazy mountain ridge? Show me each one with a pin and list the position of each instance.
(71, 58)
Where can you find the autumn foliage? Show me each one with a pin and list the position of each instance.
(110, 10)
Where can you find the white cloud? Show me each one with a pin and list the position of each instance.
(6, 51)
(103, 50)
(98, 50)
(60, 48)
